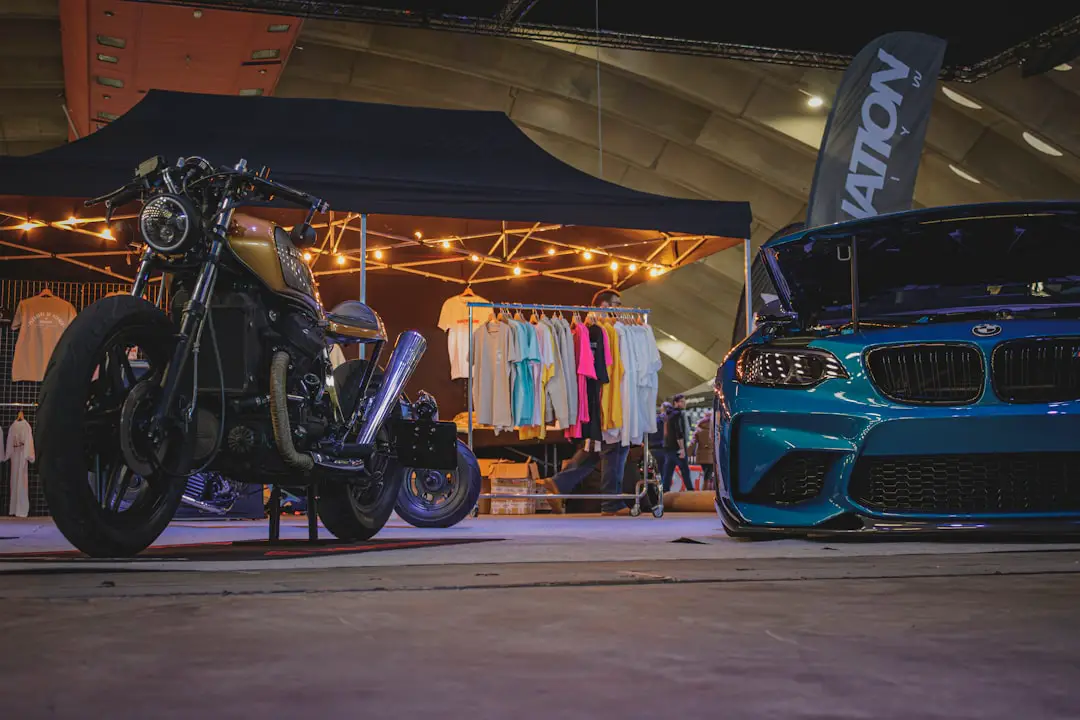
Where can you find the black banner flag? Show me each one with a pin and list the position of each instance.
(873, 140)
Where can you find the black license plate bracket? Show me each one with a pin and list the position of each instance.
(427, 445)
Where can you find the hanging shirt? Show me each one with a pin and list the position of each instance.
(631, 428)
(569, 367)
(20, 451)
(454, 321)
(524, 380)
(611, 395)
(40, 320)
(494, 351)
(586, 372)
(557, 404)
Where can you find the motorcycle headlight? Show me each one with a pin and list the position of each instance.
(168, 224)
(787, 367)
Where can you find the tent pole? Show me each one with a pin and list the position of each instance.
(748, 256)
(363, 267)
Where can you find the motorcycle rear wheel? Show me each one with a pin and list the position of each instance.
(354, 512)
(438, 499)
(97, 501)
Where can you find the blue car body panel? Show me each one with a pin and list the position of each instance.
(848, 419)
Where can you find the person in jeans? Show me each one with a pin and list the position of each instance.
(676, 440)
(611, 457)
(703, 450)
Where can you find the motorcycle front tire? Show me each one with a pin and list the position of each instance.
(348, 513)
(61, 436)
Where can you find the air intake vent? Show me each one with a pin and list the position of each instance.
(795, 478)
(1037, 370)
(928, 374)
(990, 483)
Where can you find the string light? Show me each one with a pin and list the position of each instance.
(340, 259)
(654, 272)
(107, 234)
(446, 244)
(474, 257)
(587, 255)
(551, 251)
(418, 235)
(517, 269)
(378, 254)
(70, 221)
(307, 257)
(27, 226)
(614, 265)
(633, 267)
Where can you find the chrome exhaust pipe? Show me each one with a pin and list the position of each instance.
(200, 505)
(400, 367)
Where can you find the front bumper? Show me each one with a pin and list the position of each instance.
(759, 427)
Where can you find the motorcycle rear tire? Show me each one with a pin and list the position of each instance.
(61, 435)
(464, 495)
(343, 508)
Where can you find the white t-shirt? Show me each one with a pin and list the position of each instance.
(454, 321)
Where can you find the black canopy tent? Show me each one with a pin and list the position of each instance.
(364, 157)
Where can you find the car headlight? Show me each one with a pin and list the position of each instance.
(787, 367)
(168, 224)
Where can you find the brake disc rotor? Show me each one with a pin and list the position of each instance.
(141, 453)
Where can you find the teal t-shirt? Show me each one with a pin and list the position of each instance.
(524, 394)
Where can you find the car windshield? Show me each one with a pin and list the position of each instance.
(1016, 262)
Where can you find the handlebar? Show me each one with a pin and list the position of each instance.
(132, 191)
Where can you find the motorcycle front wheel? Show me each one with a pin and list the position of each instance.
(99, 384)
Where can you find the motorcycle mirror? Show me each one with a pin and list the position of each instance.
(304, 236)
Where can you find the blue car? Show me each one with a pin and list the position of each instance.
(912, 372)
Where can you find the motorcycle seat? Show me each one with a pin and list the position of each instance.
(354, 320)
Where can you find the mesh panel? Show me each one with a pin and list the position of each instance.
(22, 396)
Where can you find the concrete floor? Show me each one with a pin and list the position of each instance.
(763, 630)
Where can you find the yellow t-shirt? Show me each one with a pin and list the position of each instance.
(40, 320)
(611, 394)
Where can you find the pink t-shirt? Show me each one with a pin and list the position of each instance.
(586, 368)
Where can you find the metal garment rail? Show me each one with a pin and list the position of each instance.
(642, 489)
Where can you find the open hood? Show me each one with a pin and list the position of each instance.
(971, 259)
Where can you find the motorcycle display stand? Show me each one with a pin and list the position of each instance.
(275, 514)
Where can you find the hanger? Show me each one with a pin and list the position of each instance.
(518, 316)
(20, 416)
(46, 292)
(535, 317)
(468, 291)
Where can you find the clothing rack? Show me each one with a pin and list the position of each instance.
(642, 489)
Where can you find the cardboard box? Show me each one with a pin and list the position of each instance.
(514, 479)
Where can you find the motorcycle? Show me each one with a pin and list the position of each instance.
(234, 376)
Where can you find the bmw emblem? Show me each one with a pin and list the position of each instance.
(985, 330)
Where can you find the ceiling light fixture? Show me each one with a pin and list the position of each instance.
(109, 82)
(251, 92)
(197, 14)
(815, 101)
(654, 272)
(307, 257)
(266, 55)
(418, 235)
(633, 267)
(551, 251)
(614, 265)
(106, 234)
(340, 259)
(1041, 145)
(378, 254)
(967, 176)
(1063, 67)
(960, 99)
(474, 257)
(446, 244)
(27, 226)
(110, 41)
(587, 255)
(108, 58)
(517, 269)
(278, 28)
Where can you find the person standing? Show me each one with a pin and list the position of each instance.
(703, 450)
(611, 454)
(676, 440)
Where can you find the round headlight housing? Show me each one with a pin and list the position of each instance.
(787, 367)
(168, 224)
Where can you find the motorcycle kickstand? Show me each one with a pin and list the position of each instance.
(275, 513)
(312, 513)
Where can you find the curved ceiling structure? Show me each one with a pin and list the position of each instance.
(683, 126)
